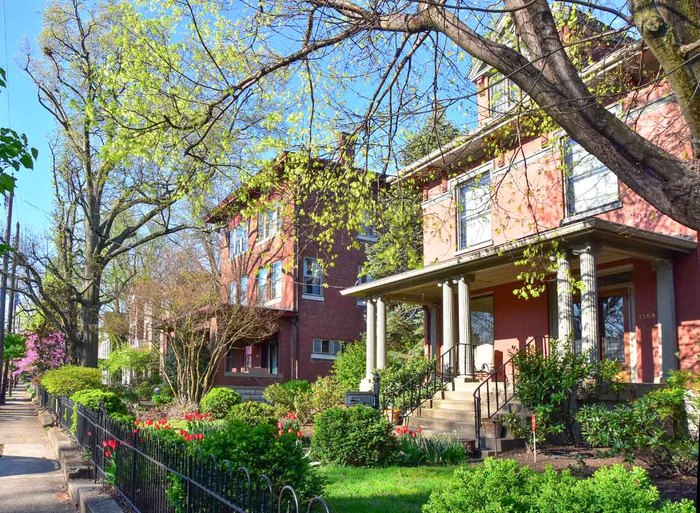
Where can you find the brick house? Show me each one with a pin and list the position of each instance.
(270, 259)
(484, 210)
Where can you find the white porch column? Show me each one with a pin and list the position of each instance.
(371, 349)
(666, 318)
(589, 303)
(448, 334)
(381, 333)
(432, 312)
(565, 313)
(466, 358)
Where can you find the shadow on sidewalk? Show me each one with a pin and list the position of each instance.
(22, 465)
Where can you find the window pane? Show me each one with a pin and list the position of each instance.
(244, 290)
(474, 212)
(317, 346)
(482, 320)
(232, 293)
(262, 285)
(589, 183)
(312, 277)
(277, 280)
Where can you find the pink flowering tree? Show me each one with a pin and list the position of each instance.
(43, 353)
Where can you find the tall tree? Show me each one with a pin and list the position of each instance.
(407, 49)
(110, 199)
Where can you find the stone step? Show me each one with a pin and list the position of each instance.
(463, 430)
(437, 413)
(451, 404)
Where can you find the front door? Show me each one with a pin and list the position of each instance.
(613, 319)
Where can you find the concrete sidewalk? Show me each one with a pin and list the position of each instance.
(30, 477)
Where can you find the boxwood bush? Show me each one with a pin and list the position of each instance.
(219, 401)
(93, 398)
(253, 413)
(502, 485)
(263, 451)
(357, 436)
(67, 380)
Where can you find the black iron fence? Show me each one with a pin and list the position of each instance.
(154, 475)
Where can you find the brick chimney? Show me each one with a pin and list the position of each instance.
(346, 148)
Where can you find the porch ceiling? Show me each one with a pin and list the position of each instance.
(495, 265)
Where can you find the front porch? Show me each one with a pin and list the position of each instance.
(625, 309)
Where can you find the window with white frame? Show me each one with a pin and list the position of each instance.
(326, 349)
(233, 293)
(243, 291)
(262, 285)
(474, 211)
(503, 95)
(589, 184)
(313, 277)
(276, 280)
(269, 222)
(238, 240)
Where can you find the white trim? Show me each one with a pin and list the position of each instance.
(592, 212)
(313, 297)
(480, 245)
(322, 356)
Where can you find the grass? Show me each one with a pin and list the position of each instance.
(382, 490)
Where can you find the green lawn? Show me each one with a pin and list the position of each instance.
(382, 490)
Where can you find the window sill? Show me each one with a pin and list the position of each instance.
(273, 302)
(361, 302)
(266, 239)
(592, 212)
(312, 297)
(253, 373)
(321, 356)
(475, 247)
(367, 238)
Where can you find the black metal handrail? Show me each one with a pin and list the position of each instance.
(423, 386)
(507, 388)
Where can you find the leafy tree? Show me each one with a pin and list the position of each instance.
(436, 133)
(404, 52)
(110, 198)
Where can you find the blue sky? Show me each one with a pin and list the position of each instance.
(20, 23)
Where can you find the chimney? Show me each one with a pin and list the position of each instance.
(346, 148)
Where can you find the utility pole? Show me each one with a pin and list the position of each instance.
(3, 288)
(13, 285)
(7, 382)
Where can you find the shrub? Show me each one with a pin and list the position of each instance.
(349, 366)
(400, 376)
(253, 413)
(69, 379)
(545, 384)
(291, 396)
(263, 451)
(325, 393)
(502, 485)
(219, 401)
(357, 436)
(652, 428)
(92, 399)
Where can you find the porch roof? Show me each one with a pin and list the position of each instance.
(616, 241)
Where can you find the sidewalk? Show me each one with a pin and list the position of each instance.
(30, 477)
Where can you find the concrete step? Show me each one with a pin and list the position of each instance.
(438, 413)
(435, 425)
(451, 404)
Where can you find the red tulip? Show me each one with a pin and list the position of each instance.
(108, 454)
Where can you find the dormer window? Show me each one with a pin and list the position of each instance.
(503, 95)
(590, 186)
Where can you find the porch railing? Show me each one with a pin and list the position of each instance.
(499, 386)
(423, 386)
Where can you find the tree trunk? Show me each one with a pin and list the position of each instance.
(90, 318)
